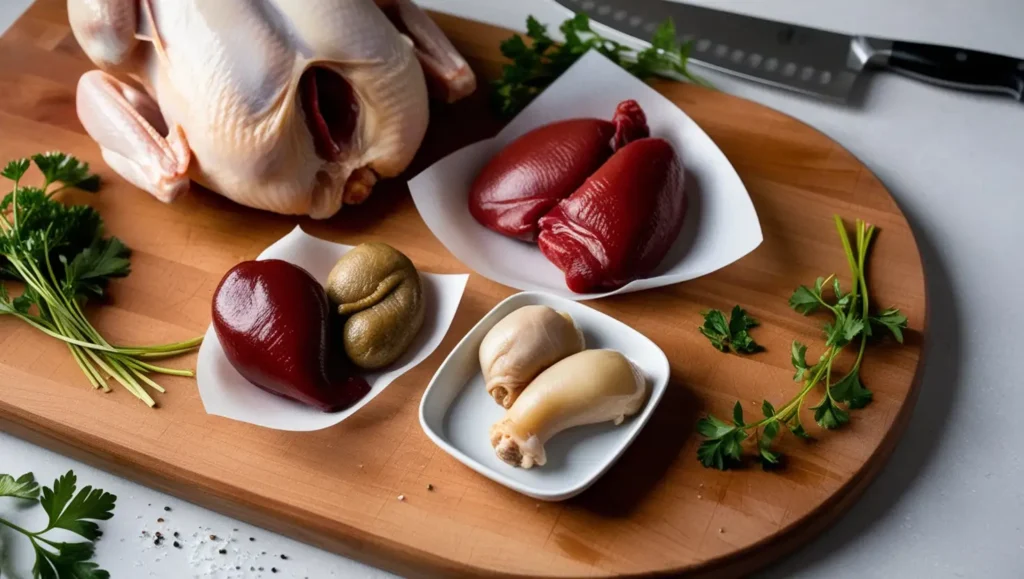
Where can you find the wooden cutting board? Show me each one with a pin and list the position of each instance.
(657, 511)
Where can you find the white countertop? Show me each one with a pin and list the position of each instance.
(950, 503)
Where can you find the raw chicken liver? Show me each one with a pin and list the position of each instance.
(533, 173)
(621, 222)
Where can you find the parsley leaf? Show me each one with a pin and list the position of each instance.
(768, 457)
(89, 503)
(66, 510)
(737, 414)
(893, 320)
(15, 170)
(843, 330)
(58, 167)
(89, 272)
(71, 560)
(806, 300)
(724, 449)
(829, 415)
(733, 334)
(798, 429)
(850, 390)
(24, 487)
(798, 357)
(716, 329)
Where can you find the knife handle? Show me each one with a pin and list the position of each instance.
(959, 68)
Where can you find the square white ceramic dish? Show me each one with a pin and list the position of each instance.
(457, 413)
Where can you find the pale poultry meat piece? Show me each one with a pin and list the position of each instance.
(589, 387)
(293, 106)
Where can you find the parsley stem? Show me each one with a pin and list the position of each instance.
(797, 401)
(87, 369)
(821, 301)
(828, 379)
(862, 247)
(11, 525)
(15, 231)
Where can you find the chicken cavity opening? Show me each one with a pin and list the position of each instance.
(331, 111)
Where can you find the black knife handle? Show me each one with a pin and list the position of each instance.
(959, 68)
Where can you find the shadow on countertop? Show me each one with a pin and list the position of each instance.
(941, 381)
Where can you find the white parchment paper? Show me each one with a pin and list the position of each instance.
(226, 393)
(721, 225)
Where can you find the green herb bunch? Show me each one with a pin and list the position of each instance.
(68, 511)
(60, 254)
(537, 64)
(852, 322)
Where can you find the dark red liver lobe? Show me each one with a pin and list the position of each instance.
(273, 320)
(618, 226)
(533, 173)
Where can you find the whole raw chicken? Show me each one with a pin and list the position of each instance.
(294, 106)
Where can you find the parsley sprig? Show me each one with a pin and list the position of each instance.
(60, 254)
(851, 322)
(66, 510)
(537, 64)
(732, 335)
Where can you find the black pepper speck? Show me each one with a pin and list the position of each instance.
(283, 556)
(223, 551)
(252, 538)
(273, 569)
(160, 520)
(177, 545)
(168, 509)
(213, 537)
(175, 533)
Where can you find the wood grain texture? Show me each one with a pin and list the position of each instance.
(657, 511)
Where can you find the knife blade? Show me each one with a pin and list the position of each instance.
(807, 60)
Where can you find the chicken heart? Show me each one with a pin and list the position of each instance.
(621, 222)
(540, 168)
(293, 106)
(273, 320)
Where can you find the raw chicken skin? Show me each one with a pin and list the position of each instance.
(286, 105)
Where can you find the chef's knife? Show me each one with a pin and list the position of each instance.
(807, 60)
